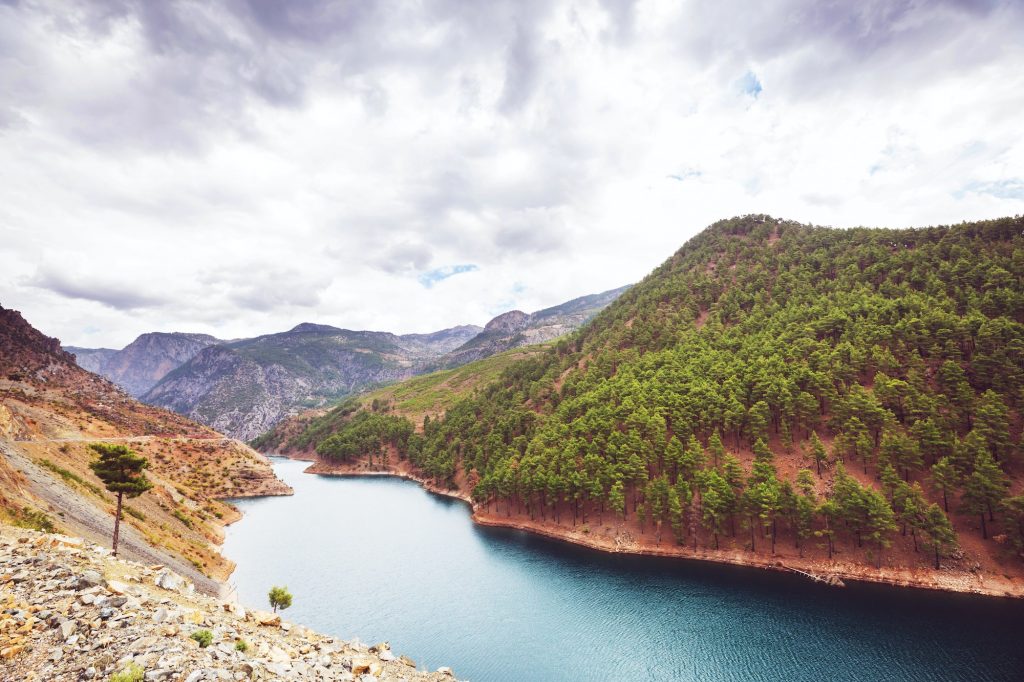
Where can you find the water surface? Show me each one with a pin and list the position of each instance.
(381, 559)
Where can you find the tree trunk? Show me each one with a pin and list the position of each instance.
(945, 501)
(936, 556)
(984, 529)
(117, 522)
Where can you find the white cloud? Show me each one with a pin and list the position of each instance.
(230, 169)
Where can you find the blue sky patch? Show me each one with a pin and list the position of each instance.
(1012, 188)
(750, 85)
(431, 277)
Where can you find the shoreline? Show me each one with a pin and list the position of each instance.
(844, 571)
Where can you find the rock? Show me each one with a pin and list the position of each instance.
(386, 656)
(160, 615)
(168, 580)
(67, 628)
(277, 655)
(117, 587)
(445, 670)
(407, 661)
(266, 618)
(89, 579)
(361, 664)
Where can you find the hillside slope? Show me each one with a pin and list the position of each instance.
(51, 410)
(842, 402)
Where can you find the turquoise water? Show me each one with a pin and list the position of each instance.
(379, 558)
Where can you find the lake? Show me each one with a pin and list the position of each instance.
(381, 559)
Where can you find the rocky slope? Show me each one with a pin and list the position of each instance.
(51, 410)
(71, 612)
(516, 328)
(142, 363)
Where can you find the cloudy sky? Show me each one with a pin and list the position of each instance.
(239, 167)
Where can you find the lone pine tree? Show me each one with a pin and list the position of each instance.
(121, 471)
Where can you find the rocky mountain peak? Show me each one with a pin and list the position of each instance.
(508, 323)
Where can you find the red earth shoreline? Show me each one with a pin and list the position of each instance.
(955, 582)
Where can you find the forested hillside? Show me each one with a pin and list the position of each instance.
(849, 390)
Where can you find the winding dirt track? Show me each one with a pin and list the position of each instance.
(82, 518)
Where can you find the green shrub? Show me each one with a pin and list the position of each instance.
(241, 645)
(178, 514)
(132, 511)
(34, 519)
(133, 672)
(204, 637)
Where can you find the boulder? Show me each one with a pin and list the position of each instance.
(361, 664)
(168, 580)
(266, 618)
(89, 579)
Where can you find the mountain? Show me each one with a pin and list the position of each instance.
(91, 359)
(516, 328)
(141, 364)
(243, 388)
(842, 403)
(51, 410)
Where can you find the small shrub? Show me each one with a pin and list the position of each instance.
(204, 637)
(178, 514)
(133, 672)
(35, 520)
(241, 645)
(132, 511)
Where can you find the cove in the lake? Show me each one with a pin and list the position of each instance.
(381, 559)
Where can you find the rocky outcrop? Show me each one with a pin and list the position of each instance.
(141, 364)
(71, 612)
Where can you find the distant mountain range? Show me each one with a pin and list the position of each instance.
(244, 387)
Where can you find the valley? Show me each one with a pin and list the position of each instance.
(791, 454)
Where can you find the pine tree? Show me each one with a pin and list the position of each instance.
(938, 531)
(945, 478)
(617, 499)
(992, 423)
(983, 488)
(818, 452)
(121, 471)
(716, 448)
(1013, 521)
